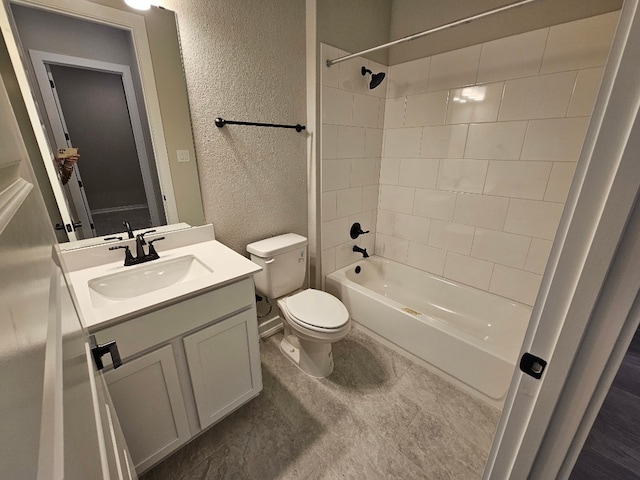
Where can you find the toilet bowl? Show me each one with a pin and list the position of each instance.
(313, 320)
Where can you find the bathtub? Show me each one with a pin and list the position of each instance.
(470, 335)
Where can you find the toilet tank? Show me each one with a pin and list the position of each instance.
(284, 264)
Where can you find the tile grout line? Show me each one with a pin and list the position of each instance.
(397, 442)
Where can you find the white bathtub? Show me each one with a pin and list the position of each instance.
(469, 334)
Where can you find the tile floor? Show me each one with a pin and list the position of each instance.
(378, 416)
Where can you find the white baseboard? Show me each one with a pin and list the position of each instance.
(270, 327)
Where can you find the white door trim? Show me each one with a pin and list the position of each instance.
(131, 22)
(600, 202)
(40, 61)
(604, 344)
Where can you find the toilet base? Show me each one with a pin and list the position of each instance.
(314, 359)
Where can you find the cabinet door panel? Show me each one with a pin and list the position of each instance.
(224, 366)
(147, 396)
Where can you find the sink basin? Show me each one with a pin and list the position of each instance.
(146, 278)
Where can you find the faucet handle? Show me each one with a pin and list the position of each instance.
(155, 240)
(141, 236)
(128, 257)
(152, 249)
(356, 230)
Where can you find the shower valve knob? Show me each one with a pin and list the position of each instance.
(356, 230)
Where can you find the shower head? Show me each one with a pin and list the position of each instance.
(376, 78)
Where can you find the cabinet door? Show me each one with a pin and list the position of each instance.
(147, 396)
(114, 437)
(224, 365)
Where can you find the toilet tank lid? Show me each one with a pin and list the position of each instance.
(276, 245)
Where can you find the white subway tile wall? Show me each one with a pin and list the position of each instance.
(352, 120)
(473, 150)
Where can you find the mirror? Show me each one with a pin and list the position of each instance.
(79, 61)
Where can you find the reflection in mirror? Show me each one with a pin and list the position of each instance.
(91, 94)
(88, 83)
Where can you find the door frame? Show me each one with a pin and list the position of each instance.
(40, 60)
(545, 422)
(135, 25)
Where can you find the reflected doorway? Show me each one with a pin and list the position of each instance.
(91, 105)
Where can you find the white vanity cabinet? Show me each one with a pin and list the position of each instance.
(185, 367)
(148, 399)
(221, 367)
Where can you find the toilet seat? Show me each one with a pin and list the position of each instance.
(317, 310)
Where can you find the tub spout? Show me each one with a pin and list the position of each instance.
(363, 251)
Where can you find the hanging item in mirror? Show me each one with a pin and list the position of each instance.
(65, 159)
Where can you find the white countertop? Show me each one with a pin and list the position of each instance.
(227, 266)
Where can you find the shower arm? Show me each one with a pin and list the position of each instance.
(428, 32)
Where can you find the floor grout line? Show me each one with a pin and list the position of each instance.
(404, 432)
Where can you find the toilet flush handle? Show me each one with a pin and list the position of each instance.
(271, 260)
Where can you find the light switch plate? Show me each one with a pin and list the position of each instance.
(183, 156)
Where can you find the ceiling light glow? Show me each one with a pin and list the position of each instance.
(139, 4)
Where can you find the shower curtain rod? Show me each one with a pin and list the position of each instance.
(428, 32)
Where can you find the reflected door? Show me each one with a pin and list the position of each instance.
(91, 105)
(95, 113)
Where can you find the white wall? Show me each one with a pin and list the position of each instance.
(352, 121)
(246, 61)
(473, 191)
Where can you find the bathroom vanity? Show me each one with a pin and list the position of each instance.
(189, 346)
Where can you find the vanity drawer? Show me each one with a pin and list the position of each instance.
(147, 331)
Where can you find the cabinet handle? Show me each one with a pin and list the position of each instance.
(99, 351)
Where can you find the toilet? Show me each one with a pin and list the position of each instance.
(313, 319)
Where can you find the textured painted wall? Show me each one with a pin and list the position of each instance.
(246, 61)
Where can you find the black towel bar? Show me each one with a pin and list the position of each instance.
(221, 122)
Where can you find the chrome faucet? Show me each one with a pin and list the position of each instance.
(363, 251)
(141, 256)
